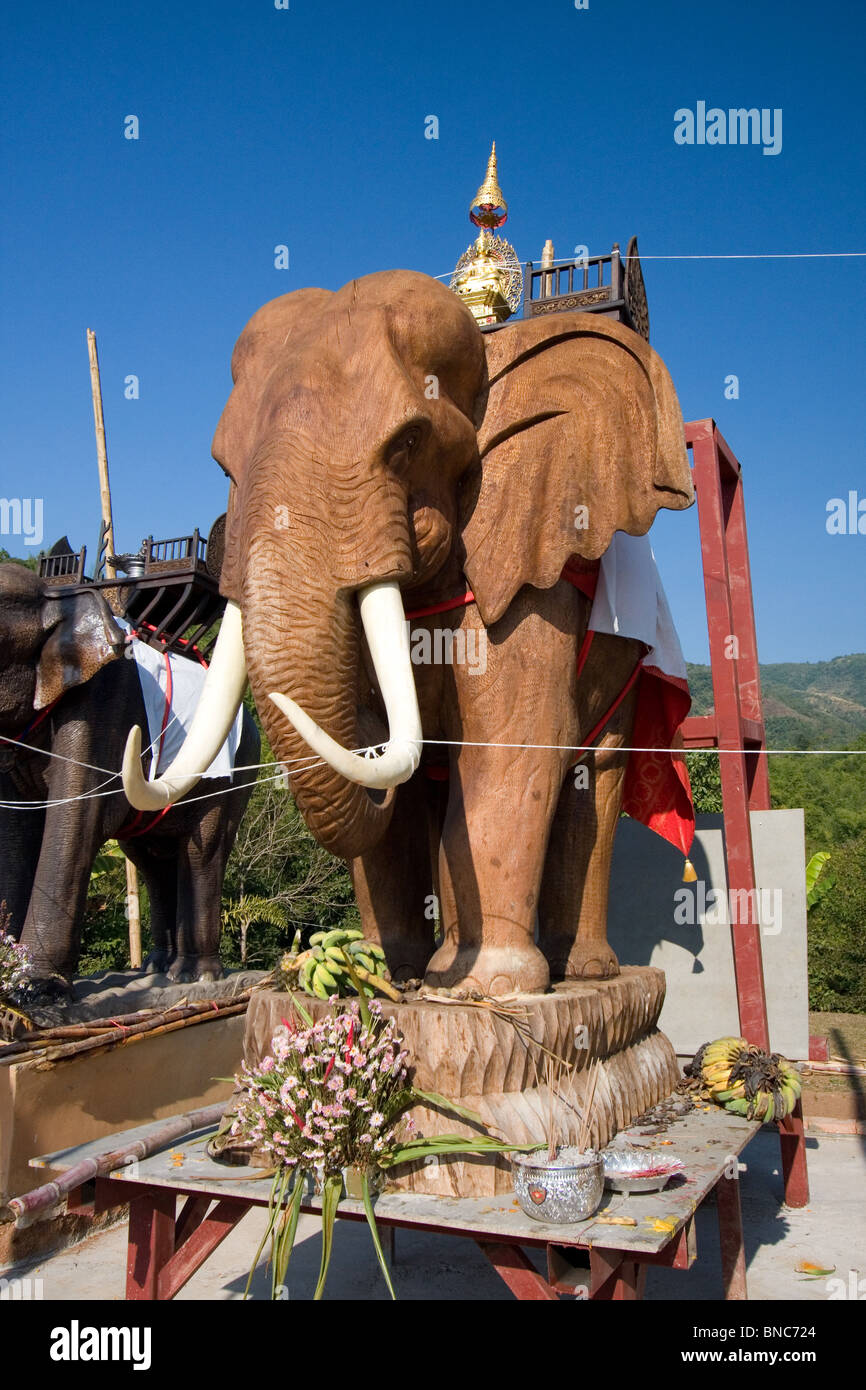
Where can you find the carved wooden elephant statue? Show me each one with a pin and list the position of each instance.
(386, 457)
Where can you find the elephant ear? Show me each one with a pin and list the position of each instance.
(82, 638)
(268, 337)
(581, 436)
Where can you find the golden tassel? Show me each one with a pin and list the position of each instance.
(690, 874)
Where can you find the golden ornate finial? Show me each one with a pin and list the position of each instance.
(489, 208)
(488, 277)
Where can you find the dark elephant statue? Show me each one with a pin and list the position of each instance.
(383, 451)
(64, 693)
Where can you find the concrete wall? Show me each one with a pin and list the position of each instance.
(84, 1098)
(689, 936)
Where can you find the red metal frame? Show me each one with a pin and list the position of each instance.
(165, 1249)
(736, 727)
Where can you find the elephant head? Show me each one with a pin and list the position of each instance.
(49, 642)
(374, 437)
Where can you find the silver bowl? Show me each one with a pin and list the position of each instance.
(568, 1189)
(622, 1164)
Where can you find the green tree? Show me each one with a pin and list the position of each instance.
(837, 935)
(31, 562)
(278, 878)
(703, 766)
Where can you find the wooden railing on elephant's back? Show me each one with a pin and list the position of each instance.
(736, 728)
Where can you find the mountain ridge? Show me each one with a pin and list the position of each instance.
(807, 704)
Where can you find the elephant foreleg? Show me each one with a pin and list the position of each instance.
(575, 889)
(490, 867)
(20, 843)
(201, 864)
(159, 873)
(513, 717)
(52, 927)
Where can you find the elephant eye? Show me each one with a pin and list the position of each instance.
(404, 446)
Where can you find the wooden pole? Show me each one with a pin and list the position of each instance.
(133, 902)
(101, 454)
(133, 910)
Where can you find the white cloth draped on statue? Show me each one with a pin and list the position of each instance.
(631, 602)
(187, 680)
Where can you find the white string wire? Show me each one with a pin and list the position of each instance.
(697, 256)
(312, 762)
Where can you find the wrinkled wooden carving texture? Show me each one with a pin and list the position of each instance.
(468, 1054)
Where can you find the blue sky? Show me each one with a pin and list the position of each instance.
(305, 126)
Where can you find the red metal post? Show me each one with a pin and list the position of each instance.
(743, 611)
(713, 515)
(199, 1245)
(615, 1278)
(518, 1271)
(731, 1237)
(794, 1168)
(151, 1241)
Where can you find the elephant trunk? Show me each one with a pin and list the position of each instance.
(319, 663)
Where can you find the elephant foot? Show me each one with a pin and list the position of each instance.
(157, 963)
(491, 970)
(407, 960)
(49, 988)
(580, 960)
(188, 969)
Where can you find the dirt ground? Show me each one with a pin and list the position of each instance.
(846, 1034)
(837, 1097)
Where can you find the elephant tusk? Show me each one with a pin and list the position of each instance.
(384, 623)
(215, 713)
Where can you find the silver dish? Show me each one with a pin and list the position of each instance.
(622, 1163)
(566, 1190)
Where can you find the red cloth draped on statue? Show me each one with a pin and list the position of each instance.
(657, 790)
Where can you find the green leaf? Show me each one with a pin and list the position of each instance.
(366, 1018)
(443, 1103)
(107, 859)
(449, 1144)
(371, 1222)
(273, 1211)
(307, 1017)
(331, 1194)
(814, 869)
(286, 1235)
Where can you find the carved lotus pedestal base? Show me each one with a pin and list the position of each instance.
(469, 1054)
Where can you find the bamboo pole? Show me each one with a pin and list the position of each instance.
(46, 1196)
(101, 454)
(54, 1050)
(133, 908)
(133, 900)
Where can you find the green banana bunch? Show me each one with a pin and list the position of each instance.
(323, 970)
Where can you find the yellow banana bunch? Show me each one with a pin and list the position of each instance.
(746, 1080)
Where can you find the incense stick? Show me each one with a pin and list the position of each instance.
(586, 1121)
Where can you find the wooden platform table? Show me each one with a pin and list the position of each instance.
(591, 1259)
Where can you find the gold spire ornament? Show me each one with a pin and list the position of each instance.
(488, 277)
(489, 208)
